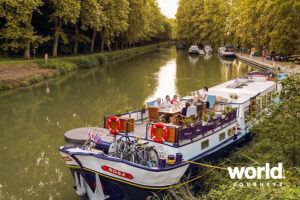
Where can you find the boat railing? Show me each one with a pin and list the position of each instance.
(197, 130)
(137, 115)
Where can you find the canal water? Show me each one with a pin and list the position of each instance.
(34, 119)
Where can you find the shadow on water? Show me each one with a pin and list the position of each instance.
(34, 119)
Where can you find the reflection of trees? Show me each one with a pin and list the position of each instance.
(205, 73)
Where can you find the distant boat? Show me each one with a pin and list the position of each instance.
(227, 52)
(201, 52)
(207, 49)
(194, 49)
(180, 46)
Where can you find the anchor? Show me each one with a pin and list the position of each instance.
(81, 191)
(98, 194)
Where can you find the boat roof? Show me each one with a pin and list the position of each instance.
(247, 88)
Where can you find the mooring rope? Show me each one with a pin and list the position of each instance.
(206, 165)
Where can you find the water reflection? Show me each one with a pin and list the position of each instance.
(32, 120)
(166, 78)
(193, 59)
(207, 56)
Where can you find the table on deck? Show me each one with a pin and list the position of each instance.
(171, 111)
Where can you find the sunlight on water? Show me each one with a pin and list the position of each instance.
(166, 78)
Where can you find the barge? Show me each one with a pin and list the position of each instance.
(227, 52)
(139, 152)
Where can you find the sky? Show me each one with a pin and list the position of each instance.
(168, 7)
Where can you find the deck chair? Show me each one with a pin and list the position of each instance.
(150, 103)
(212, 100)
(153, 114)
(191, 112)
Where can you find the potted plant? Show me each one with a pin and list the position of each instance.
(228, 109)
(224, 113)
(118, 113)
(188, 121)
(129, 109)
(143, 108)
(211, 114)
(204, 119)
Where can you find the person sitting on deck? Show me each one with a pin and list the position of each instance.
(203, 96)
(183, 111)
(167, 103)
(174, 100)
(157, 103)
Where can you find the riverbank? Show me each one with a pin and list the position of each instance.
(262, 62)
(18, 73)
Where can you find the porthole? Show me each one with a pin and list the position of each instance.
(204, 144)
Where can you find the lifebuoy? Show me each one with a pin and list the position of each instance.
(159, 125)
(109, 127)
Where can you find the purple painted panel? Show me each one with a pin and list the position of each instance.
(190, 132)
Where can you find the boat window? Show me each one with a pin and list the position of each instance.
(230, 132)
(247, 113)
(269, 97)
(221, 136)
(263, 101)
(252, 106)
(204, 144)
(234, 129)
(258, 106)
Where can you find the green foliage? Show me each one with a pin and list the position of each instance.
(228, 109)
(71, 22)
(224, 112)
(189, 121)
(211, 114)
(205, 117)
(18, 32)
(144, 106)
(128, 109)
(261, 24)
(34, 79)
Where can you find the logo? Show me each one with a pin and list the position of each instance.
(116, 172)
(251, 172)
(67, 158)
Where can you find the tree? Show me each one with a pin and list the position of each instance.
(258, 23)
(18, 33)
(92, 17)
(116, 11)
(65, 12)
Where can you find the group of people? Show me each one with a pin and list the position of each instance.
(200, 95)
(167, 103)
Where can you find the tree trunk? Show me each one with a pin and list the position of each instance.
(29, 28)
(27, 50)
(55, 45)
(102, 44)
(56, 38)
(93, 41)
(102, 41)
(117, 41)
(75, 49)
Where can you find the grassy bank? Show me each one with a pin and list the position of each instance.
(18, 73)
